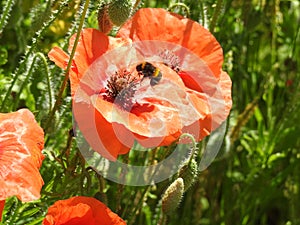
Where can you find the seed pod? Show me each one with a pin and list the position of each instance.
(172, 196)
(189, 174)
(119, 11)
(104, 22)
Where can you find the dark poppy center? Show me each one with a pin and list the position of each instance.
(120, 89)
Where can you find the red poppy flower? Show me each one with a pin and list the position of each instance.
(21, 142)
(81, 210)
(114, 104)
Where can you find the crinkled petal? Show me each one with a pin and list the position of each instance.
(153, 104)
(226, 83)
(215, 105)
(81, 210)
(21, 142)
(103, 136)
(58, 56)
(159, 24)
(157, 119)
(91, 45)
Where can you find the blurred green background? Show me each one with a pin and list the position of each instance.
(255, 179)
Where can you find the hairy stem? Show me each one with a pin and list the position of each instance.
(65, 81)
(215, 15)
(5, 15)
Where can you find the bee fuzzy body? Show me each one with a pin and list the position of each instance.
(148, 70)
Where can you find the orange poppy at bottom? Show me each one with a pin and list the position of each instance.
(81, 210)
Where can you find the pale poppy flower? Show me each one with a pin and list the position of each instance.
(115, 102)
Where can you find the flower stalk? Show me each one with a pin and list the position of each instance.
(181, 5)
(215, 16)
(65, 81)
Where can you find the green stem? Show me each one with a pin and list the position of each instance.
(12, 219)
(202, 13)
(65, 81)
(23, 63)
(87, 187)
(138, 206)
(136, 4)
(5, 15)
(48, 81)
(121, 186)
(44, 60)
(162, 220)
(100, 178)
(140, 203)
(17, 98)
(191, 137)
(215, 16)
(182, 5)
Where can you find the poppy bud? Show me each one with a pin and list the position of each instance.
(189, 174)
(104, 22)
(172, 196)
(119, 11)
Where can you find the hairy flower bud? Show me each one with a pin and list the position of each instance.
(189, 174)
(119, 11)
(172, 196)
(104, 22)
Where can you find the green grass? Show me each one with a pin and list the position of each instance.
(254, 180)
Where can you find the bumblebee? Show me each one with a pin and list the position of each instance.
(148, 70)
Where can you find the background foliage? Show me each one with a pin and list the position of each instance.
(254, 180)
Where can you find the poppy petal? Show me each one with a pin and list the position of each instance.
(159, 24)
(91, 45)
(58, 56)
(21, 141)
(81, 210)
(99, 133)
(225, 83)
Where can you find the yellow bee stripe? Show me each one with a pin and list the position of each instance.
(143, 65)
(156, 72)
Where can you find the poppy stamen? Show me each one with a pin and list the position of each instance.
(170, 59)
(120, 89)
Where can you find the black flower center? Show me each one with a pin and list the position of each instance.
(120, 89)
